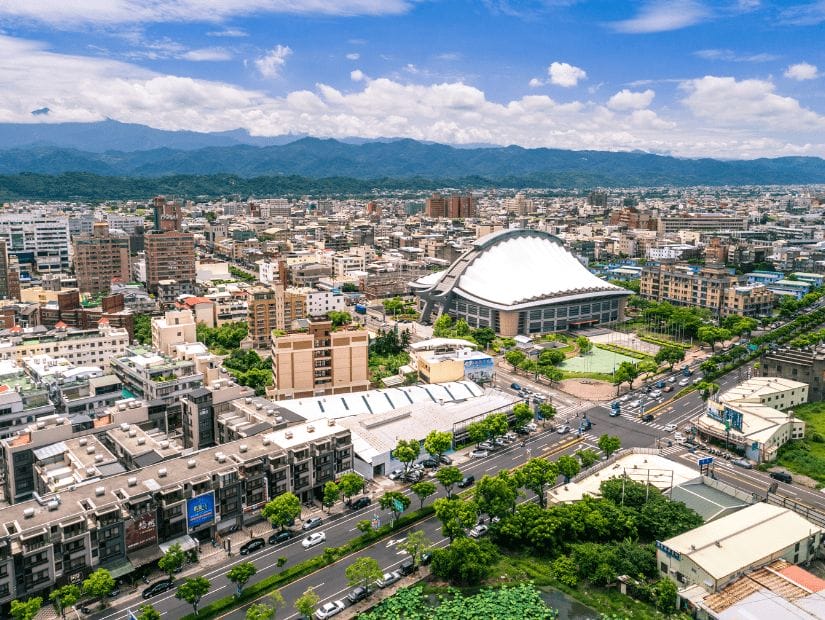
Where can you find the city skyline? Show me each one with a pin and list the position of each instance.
(725, 79)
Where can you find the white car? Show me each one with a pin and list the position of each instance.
(327, 610)
(561, 430)
(313, 539)
(670, 427)
(531, 426)
(684, 382)
(655, 393)
(478, 531)
(678, 437)
(395, 474)
(388, 579)
(479, 454)
(624, 398)
(635, 403)
(672, 379)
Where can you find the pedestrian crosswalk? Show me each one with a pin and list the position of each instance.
(636, 418)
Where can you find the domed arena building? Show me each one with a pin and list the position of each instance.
(520, 282)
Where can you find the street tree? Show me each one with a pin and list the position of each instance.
(331, 494)
(477, 431)
(423, 490)
(99, 584)
(647, 367)
(395, 502)
(522, 414)
(240, 574)
(64, 597)
(496, 424)
(456, 516)
(515, 358)
(415, 545)
(436, 443)
(406, 451)
(307, 602)
(547, 411)
(495, 496)
(466, 561)
(609, 444)
(538, 472)
(260, 611)
(449, 476)
(147, 612)
(192, 590)
(588, 457)
(350, 484)
(363, 572)
(26, 610)
(173, 560)
(484, 336)
(568, 466)
(670, 355)
(551, 357)
(553, 374)
(283, 510)
(630, 371)
(364, 526)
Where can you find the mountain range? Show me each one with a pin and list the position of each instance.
(110, 148)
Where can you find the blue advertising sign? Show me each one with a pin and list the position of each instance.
(200, 510)
(707, 460)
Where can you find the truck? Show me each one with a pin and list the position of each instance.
(360, 309)
(686, 371)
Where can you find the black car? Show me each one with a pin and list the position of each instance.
(361, 502)
(413, 476)
(252, 546)
(358, 594)
(445, 460)
(280, 537)
(407, 567)
(158, 587)
(782, 476)
(426, 558)
(466, 481)
(648, 417)
(430, 463)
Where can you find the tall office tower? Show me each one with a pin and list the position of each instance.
(168, 214)
(170, 256)
(459, 207)
(38, 239)
(436, 206)
(99, 258)
(9, 275)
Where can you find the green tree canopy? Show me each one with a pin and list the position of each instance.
(406, 451)
(522, 414)
(147, 612)
(568, 466)
(496, 495)
(364, 571)
(415, 545)
(437, 443)
(395, 502)
(99, 583)
(515, 357)
(64, 597)
(26, 610)
(240, 574)
(350, 484)
(331, 494)
(306, 603)
(538, 473)
(609, 444)
(192, 590)
(456, 516)
(173, 560)
(670, 355)
(423, 489)
(466, 561)
(283, 510)
(449, 476)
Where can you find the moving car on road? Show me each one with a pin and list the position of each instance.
(361, 502)
(327, 610)
(158, 587)
(479, 454)
(313, 539)
(466, 481)
(252, 546)
(670, 427)
(561, 430)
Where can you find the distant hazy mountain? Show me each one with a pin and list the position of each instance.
(117, 149)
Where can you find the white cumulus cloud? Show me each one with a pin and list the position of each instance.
(802, 71)
(535, 83)
(270, 64)
(629, 100)
(353, 56)
(208, 54)
(662, 16)
(564, 74)
(357, 75)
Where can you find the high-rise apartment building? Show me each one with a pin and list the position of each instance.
(454, 207)
(38, 239)
(271, 308)
(9, 275)
(168, 215)
(436, 206)
(170, 256)
(99, 258)
(319, 361)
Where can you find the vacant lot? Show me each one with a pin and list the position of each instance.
(807, 457)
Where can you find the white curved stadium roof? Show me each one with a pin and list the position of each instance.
(515, 267)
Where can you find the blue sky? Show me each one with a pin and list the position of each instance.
(733, 79)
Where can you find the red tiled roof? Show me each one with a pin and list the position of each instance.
(192, 301)
(804, 578)
(60, 325)
(104, 321)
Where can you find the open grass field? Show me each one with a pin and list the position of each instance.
(807, 457)
(597, 361)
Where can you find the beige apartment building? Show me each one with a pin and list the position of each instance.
(99, 258)
(174, 328)
(318, 361)
(170, 256)
(711, 287)
(271, 308)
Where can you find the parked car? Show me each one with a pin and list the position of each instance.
(414, 475)
(312, 523)
(327, 610)
(252, 546)
(407, 567)
(485, 445)
(280, 537)
(361, 502)
(445, 460)
(744, 463)
(479, 454)
(563, 429)
(515, 386)
(670, 427)
(357, 594)
(388, 579)
(678, 437)
(500, 442)
(648, 417)
(782, 476)
(615, 412)
(313, 539)
(466, 481)
(395, 474)
(429, 463)
(522, 430)
(426, 558)
(511, 436)
(531, 426)
(478, 531)
(158, 587)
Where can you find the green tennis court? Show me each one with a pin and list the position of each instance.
(598, 360)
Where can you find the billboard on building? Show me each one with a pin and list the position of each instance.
(141, 531)
(200, 510)
(479, 369)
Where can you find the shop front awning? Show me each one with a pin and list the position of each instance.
(145, 555)
(120, 568)
(186, 542)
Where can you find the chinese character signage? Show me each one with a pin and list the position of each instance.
(141, 531)
(200, 510)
